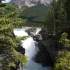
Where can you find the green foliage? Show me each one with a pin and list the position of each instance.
(35, 13)
(63, 59)
(8, 54)
(67, 6)
(57, 15)
(63, 62)
(50, 20)
(64, 40)
(57, 18)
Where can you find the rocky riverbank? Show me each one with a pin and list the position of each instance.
(45, 43)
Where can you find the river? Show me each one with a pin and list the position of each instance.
(30, 50)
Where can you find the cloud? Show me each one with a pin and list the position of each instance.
(6, 1)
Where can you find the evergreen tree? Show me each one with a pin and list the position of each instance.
(50, 18)
(50, 21)
(63, 60)
(62, 15)
(67, 5)
(8, 54)
(57, 16)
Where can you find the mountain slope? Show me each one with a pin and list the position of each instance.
(30, 3)
(36, 13)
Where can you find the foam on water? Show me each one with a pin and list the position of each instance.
(20, 32)
(37, 30)
(30, 51)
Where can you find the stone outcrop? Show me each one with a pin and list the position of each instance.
(37, 37)
(31, 31)
(29, 3)
(47, 54)
(43, 56)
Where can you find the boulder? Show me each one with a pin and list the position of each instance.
(31, 31)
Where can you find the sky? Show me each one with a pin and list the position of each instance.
(6, 1)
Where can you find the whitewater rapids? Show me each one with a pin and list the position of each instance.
(30, 51)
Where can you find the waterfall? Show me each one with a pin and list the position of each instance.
(20, 32)
(30, 51)
(37, 30)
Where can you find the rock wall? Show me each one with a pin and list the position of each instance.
(43, 56)
(30, 3)
(47, 54)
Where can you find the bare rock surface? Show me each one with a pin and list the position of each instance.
(30, 3)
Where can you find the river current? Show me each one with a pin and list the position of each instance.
(30, 50)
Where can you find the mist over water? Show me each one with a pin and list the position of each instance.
(30, 51)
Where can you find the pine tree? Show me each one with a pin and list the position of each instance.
(50, 21)
(8, 21)
(67, 5)
(61, 13)
(57, 15)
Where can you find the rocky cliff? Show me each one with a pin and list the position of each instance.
(29, 3)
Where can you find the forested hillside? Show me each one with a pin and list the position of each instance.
(36, 13)
(58, 21)
(58, 16)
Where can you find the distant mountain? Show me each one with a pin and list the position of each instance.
(29, 3)
(36, 14)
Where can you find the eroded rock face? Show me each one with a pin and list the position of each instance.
(46, 54)
(30, 3)
(31, 31)
(43, 56)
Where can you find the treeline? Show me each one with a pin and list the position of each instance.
(9, 55)
(35, 13)
(32, 24)
(58, 16)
